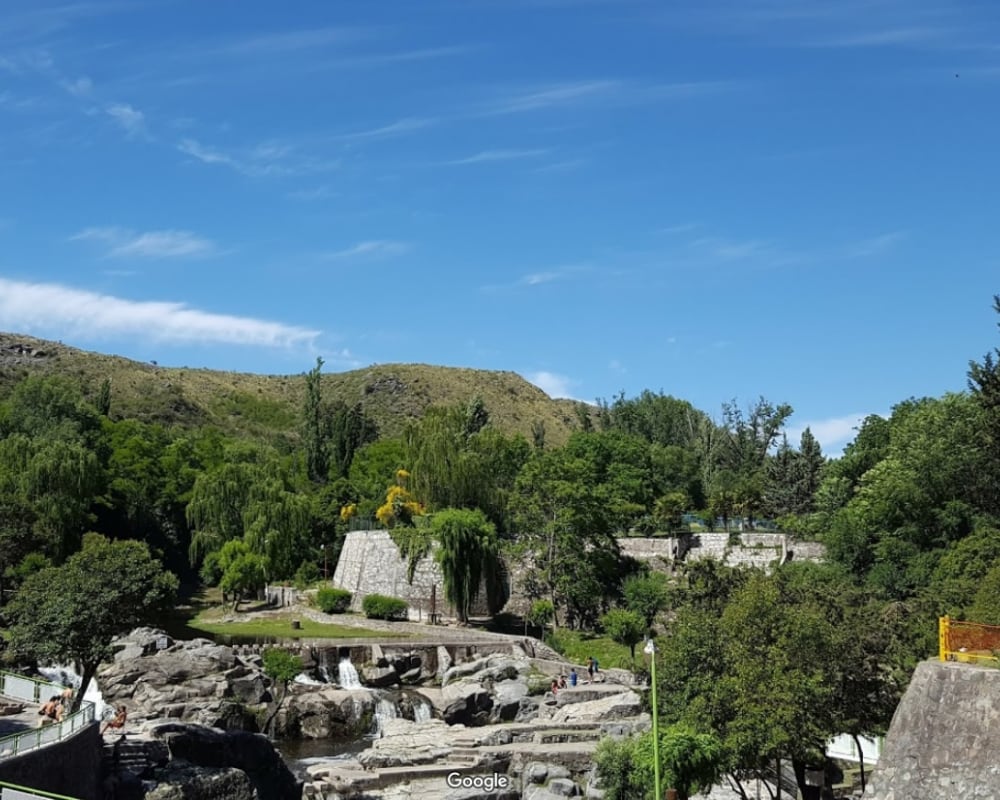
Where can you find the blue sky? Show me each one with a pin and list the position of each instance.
(717, 199)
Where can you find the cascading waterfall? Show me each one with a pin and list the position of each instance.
(421, 711)
(385, 709)
(67, 676)
(348, 675)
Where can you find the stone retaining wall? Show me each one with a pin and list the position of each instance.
(70, 767)
(370, 563)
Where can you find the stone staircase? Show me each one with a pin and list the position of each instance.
(129, 759)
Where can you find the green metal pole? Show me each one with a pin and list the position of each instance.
(656, 725)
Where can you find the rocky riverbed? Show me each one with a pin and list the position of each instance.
(457, 719)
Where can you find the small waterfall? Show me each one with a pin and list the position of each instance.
(385, 710)
(307, 679)
(324, 674)
(348, 675)
(422, 711)
(67, 676)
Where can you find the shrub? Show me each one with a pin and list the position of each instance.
(379, 606)
(306, 575)
(332, 600)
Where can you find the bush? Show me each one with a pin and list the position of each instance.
(378, 606)
(332, 600)
(306, 575)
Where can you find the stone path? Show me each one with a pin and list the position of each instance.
(24, 720)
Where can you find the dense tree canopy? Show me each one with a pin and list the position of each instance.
(71, 613)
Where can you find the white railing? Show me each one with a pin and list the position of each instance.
(11, 791)
(31, 690)
(844, 748)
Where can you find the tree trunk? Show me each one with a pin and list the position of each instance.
(86, 676)
(861, 759)
(273, 714)
(806, 792)
(736, 785)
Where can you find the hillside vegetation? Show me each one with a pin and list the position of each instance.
(270, 406)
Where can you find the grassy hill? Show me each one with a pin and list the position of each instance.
(268, 405)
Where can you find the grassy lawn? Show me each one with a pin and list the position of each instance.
(205, 613)
(577, 646)
(279, 625)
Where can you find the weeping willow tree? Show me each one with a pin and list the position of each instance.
(254, 501)
(469, 555)
(459, 461)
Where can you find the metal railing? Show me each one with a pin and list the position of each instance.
(971, 642)
(32, 690)
(11, 791)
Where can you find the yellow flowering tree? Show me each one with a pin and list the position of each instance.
(400, 506)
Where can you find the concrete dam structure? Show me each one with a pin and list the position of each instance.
(944, 741)
(370, 563)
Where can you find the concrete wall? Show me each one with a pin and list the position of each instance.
(762, 550)
(944, 738)
(71, 767)
(370, 563)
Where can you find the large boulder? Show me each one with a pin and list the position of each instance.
(467, 702)
(379, 677)
(194, 681)
(312, 712)
(507, 697)
(183, 781)
(614, 706)
(252, 754)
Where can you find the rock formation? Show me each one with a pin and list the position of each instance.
(944, 737)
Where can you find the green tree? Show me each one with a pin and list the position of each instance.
(243, 571)
(563, 533)
(647, 595)
(984, 382)
(468, 553)
(690, 761)
(316, 426)
(625, 627)
(71, 613)
(282, 668)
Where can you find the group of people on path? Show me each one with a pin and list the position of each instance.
(593, 670)
(57, 706)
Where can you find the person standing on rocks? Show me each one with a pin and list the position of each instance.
(572, 677)
(591, 668)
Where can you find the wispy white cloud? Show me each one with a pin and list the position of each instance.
(265, 160)
(131, 120)
(398, 128)
(54, 309)
(833, 433)
(287, 41)
(602, 93)
(536, 278)
(489, 156)
(80, 87)
(553, 95)
(874, 246)
(315, 193)
(376, 248)
(124, 243)
(552, 383)
(683, 227)
(886, 37)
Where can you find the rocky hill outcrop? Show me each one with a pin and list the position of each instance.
(944, 737)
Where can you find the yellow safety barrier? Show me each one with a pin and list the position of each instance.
(971, 642)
